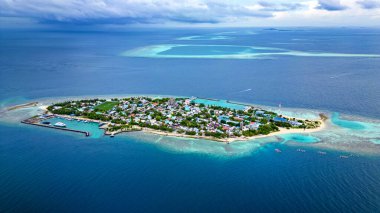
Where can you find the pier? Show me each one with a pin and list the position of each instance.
(35, 122)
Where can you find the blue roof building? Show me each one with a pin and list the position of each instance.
(280, 119)
(259, 112)
(223, 118)
(295, 123)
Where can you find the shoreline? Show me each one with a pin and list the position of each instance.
(43, 104)
(21, 106)
(282, 130)
(360, 145)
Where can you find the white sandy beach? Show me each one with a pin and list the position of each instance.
(282, 131)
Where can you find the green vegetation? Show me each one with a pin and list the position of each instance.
(106, 106)
(179, 115)
(216, 134)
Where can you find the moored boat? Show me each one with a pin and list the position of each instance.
(60, 124)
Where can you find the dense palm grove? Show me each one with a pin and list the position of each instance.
(179, 115)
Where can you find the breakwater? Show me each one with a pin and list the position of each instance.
(36, 122)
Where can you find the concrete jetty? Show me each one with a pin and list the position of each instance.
(36, 122)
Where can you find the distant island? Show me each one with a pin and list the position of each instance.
(181, 117)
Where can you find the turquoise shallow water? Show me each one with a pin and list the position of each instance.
(209, 51)
(215, 50)
(353, 125)
(300, 138)
(91, 127)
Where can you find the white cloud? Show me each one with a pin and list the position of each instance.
(331, 5)
(211, 12)
(354, 15)
(369, 4)
(207, 11)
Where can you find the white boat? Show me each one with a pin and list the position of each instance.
(60, 124)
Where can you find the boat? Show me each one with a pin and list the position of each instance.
(60, 124)
(301, 150)
(277, 150)
(322, 153)
(46, 122)
(344, 156)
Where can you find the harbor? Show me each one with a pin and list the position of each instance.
(89, 129)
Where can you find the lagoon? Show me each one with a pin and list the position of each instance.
(353, 125)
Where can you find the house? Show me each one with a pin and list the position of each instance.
(168, 122)
(247, 108)
(259, 113)
(254, 125)
(225, 127)
(187, 101)
(172, 102)
(223, 118)
(295, 123)
(219, 131)
(235, 123)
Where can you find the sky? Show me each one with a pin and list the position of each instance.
(189, 13)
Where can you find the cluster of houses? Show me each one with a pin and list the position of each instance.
(181, 115)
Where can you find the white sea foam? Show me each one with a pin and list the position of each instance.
(246, 90)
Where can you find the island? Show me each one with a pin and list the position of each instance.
(175, 116)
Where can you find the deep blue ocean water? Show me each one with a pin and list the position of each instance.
(44, 170)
